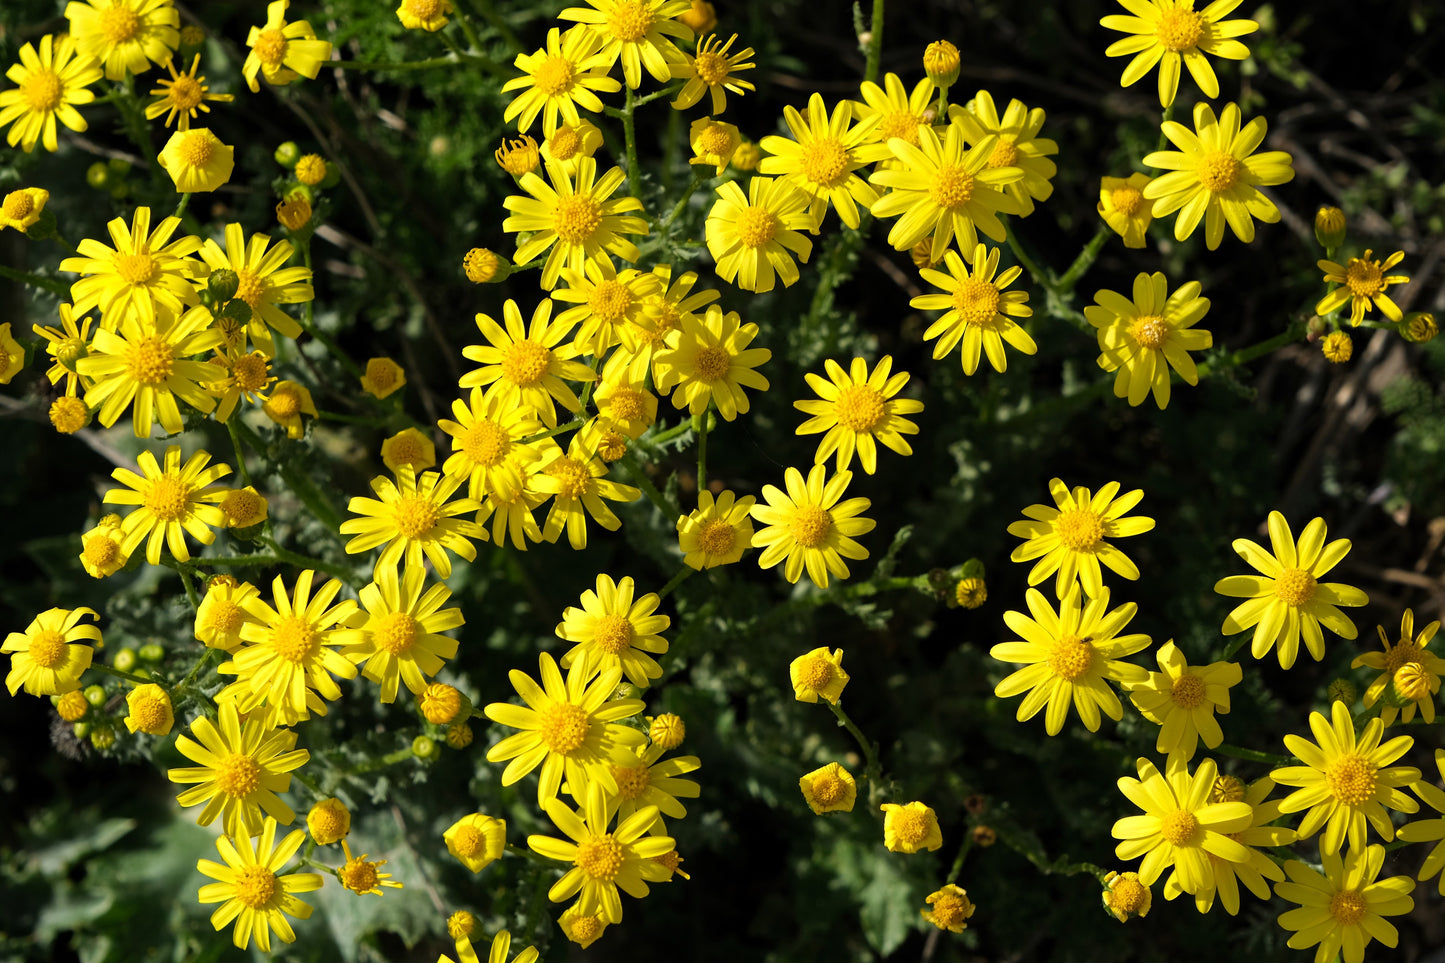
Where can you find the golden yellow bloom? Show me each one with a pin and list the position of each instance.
(899, 113)
(575, 482)
(477, 840)
(1172, 33)
(141, 273)
(624, 406)
(818, 673)
(461, 925)
(1143, 338)
(1362, 282)
(1337, 347)
(265, 282)
(635, 32)
(606, 302)
(525, 366)
(222, 613)
(909, 828)
(294, 212)
(1124, 207)
(22, 208)
(409, 447)
(750, 235)
(243, 507)
(1409, 650)
(822, 159)
(414, 517)
(711, 363)
(241, 376)
(829, 789)
(125, 36)
(1070, 538)
(951, 908)
(287, 403)
(612, 630)
(718, 532)
(1179, 826)
(713, 143)
(67, 413)
(383, 377)
(711, 72)
(1125, 896)
(12, 355)
(855, 408)
(281, 51)
(394, 636)
(182, 96)
(1344, 908)
(150, 368)
(72, 706)
(251, 892)
(560, 77)
(428, 15)
(360, 875)
(582, 929)
(1018, 145)
(941, 62)
(47, 658)
(51, 82)
(1253, 873)
(979, 309)
(518, 156)
(1429, 830)
(442, 704)
(810, 526)
(1182, 700)
(101, 551)
(149, 710)
(329, 821)
(172, 502)
(569, 143)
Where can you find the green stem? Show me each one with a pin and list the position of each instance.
(648, 488)
(449, 61)
(1084, 261)
(1253, 755)
(682, 576)
(198, 668)
(942, 104)
(552, 432)
(110, 670)
(870, 750)
(185, 573)
(699, 422)
(310, 784)
(875, 42)
(1293, 333)
(181, 207)
(390, 759)
(1040, 278)
(697, 178)
(524, 853)
(465, 22)
(484, 7)
(57, 288)
(1235, 645)
(306, 561)
(304, 488)
(629, 131)
(240, 455)
(671, 433)
(957, 866)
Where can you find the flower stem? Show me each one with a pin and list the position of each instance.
(1044, 280)
(240, 455)
(697, 178)
(129, 677)
(870, 750)
(1084, 261)
(551, 432)
(682, 576)
(875, 42)
(1253, 755)
(699, 422)
(34, 280)
(308, 323)
(629, 131)
(957, 867)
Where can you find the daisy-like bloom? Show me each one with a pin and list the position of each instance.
(511, 510)
(197, 160)
(1215, 174)
(624, 405)
(662, 317)
(575, 481)
(1346, 782)
(909, 828)
(1408, 651)
(428, 15)
(750, 235)
(979, 312)
(360, 875)
(294, 650)
(855, 408)
(1071, 537)
(1253, 873)
(1018, 145)
(48, 658)
(1170, 33)
(711, 72)
(395, 636)
(12, 355)
(1067, 658)
(602, 860)
(711, 363)
(899, 113)
(382, 378)
(1142, 339)
(1362, 282)
(1180, 826)
(240, 767)
(66, 344)
(409, 447)
(148, 366)
(636, 32)
(822, 158)
(51, 82)
(476, 840)
(22, 209)
(569, 143)
(612, 630)
(501, 947)
(244, 507)
(1286, 600)
(101, 553)
(1124, 207)
(713, 143)
(149, 710)
(518, 156)
(251, 891)
(818, 673)
(281, 51)
(486, 443)
(1344, 908)
(944, 190)
(414, 517)
(1126, 896)
(1430, 830)
(650, 781)
(172, 502)
(570, 729)
(560, 77)
(810, 526)
(718, 532)
(584, 929)
(182, 96)
(606, 301)
(241, 376)
(286, 404)
(264, 282)
(144, 270)
(1337, 347)
(574, 217)
(525, 365)
(125, 35)
(222, 613)
(1182, 700)
(829, 789)
(949, 909)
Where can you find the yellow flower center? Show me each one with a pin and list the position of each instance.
(1079, 529)
(910, 826)
(47, 649)
(1219, 171)
(486, 443)
(1179, 30)
(524, 363)
(255, 886)
(952, 188)
(359, 876)
(564, 727)
(241, 506)
(828, 789)
(1187, 691)
(600, 857)
(564, 144)
(461, 925)
(1348, 906)
(100, 552)
(396, 633)
(1128, 895)
(976, 301)
(1070, 657)
(68, 414)
(1401, 654)
(423, 9)
(1149, 331)
(225, 617)
(148, 713)
(294, 639)
(815, 673)
(610, 300)
(630, 20)
(632, 781)
(1412, 681)
(167, 498)
(554, 76)
(573, 478)
(119, 24)
(42, 90)
(585, 928)
(381, 372)
(756, 226)
(577, 216)
(810, 526)
(717, 537)
(1178, 827)
(859, 408)
(149, 361)
(1126, 200)
(949, 910)
(1364, 278)
(1295, 586)
(613, 634)
(712, 363)
(467, 841)
(407, 450)
(626, 404)
(285, 403)
(712, 67)
(18, 205)
(185, 93)
(270, 47)
(903, 124)
(250, 287)
(238, 776)
(1005, 152)
(251, 373)
(1226, 789)
(415, 516)
(825, 162)
(135, 268)
(196, 149)
(1351, 779)
(715, 139)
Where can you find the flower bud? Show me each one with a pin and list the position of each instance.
(1419, 327)
(424, 747)
(518, 157)
(1330, 227)
(1338, 347)
(1342, 690)
(940, 62)
(484, 267)
(294, 213)
(223, 284)
(288, 154)
(95, 695)
(125, 659)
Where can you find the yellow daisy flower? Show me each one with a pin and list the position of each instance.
(718, 532)
(182, 96)
(1068, 656)
(711, 72)
(1408, 651)
(527, 365)
(575, 481)
(360, 875)
(476, 840)
(150, 367)
(650, 781)
(1182, 700)
(412, 517)
(1125, 896)
(711, 363)
(223, 613)
(810, 526)
(240, 376)
(428, 15)
(713, 143)
(1170, 33)
(829, 789)
(48, 657)
(251, 892)
(22, 208)
(624, 404)
(12, 356)
(818, 673)
(856, 407)
(486, 444)
(394, 636)
(949, 909)
(264, 282)
(1346, 781)
(1018, 145)
(569, 143)
(409, 447)
(125, 36)
(1429, 830)
(560, 77)
(822, 158)
(142, 272)
(584, 929)
(612, 630)
(281, 51)
(149, 710)
(1142, 339)
(382, 378)
(51, 82)
(636, 32)
(1124, 207)
(286, 404)
(1215, 174)
(244, 507)
(1070, 538)
(661, 320)
(1362, 282)
(501, 947)
(1286, 600)
(1343, 908)
(101, 554)
(749, 236)
(67, 344)
(899, 112)
(511, 510)
(606, 302)
(1253, 873)
(172, 502)
(197, 161)
(979, 309)
(909, 828)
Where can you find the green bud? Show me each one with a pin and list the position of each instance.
(82, 729)
(125, 659)
(1342, 690)
(152, 652)
(223, 284)
(237, 310)
(332, 178)
(301, 190)
(973, 568)
(102, 737)
(425, 747)
(98, 175)
(95, 695)
(1417, 326)
(119, 165)
(288, 154)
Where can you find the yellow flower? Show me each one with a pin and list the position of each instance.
(518, 156)
(394, 636)
(222, 614)
(1071, 537)
(569, 143)
(829, 789)
(560, 77)
(360, 875)
(22, 208)
(525, 366)
(909, 828)
(574, 217)
(1179, 827)
(1429, 830)
(414, 517)
(718, 532)
(1124, 207)
(575, 481)
(1170, 33)
(810, 527)
(612, 630)
(662, 316)
(713, 143)
(125, 35)
(1362, 282)
(1287, 600)
(1228, 874)
(244, 507)
(667, 730)
(1142, 339)
(310, 169)
(461, 924)
(149, 710)
(281, 51)
(818, 673)
(941, 63)
(711, 363)
(711, 72)
(294, 212)
(899, 113)
(172, 502)
(1125, 895)
(182, 96)
(979, 309)
(606, 302)
(1214, 175)
(1182, 701)
(241, 376)
(512, 509)
(1067, 658)
(624, 405)
(67, 344)
(970, 593)
(645, 782)
(48, 657)
(856, 407)
(584, 929)
(1344, 907)
(482, 266)
(383, 376)
(1408, 651)
(264, 282)
(822, 158)
(287, 403)
(12, 355)
(1346, 782)
(635, 32)
(250, 890)
(700, 16)
(749, 236)
(951, 907)
(1337, 347)
(476, 840)
(747, 157)
(50, 83)
(1018, 145)
(149, 366)
(101, 553)
(409, 447)
(142, 272)
(570, 729)
(329, 821)
(428, 15)
(487, 447)
(501, 947)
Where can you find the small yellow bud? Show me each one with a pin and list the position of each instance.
(701, 18)
(311, 169)
(69, 414)
(1342, 690)
(294, 212)
(940, 62)
(1419, 327)
(922, 253)
(1126, 895)
(482, 266)
(667, 730)
(383, 377)
(520, 156)
(72, 706)
(1329, 227)
(440, 704)
(459, 735)
(747, 156)
(329, 820)
(970, 593)
(461, 925)
(1337, 347)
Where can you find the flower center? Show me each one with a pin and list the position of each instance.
(715, 139)
(952, 188)
(859, 408)
(903, 124)
(1351, 779)
(250, 371)
(577, 216)
(359, 876)
(717, 537)
(285, 403)
(1226, 789)
(396, 632)
(196, 149)
(119, 24)
(406, 450)
(555, 76)
(564, 144)
(1128, 895)
(415, 516)
(976, 301)
(632, 781)
(42, 90)
(1294, 586)
(249, 287)
(423, 9)
(1126, 200)
(468, 842)
(255, 886)
(1179, 827)
(829, 789)
(712, 363)
(1401, 654)
(1219, 171)
(1071, 657)
(1364, 278)
(810, 526)
(816, 673)
(167, 498)
(1149, 331)
(1079, 529)
(610, 300)
(241, 506)
(148, 714)
(525, 362)
(1179, 30)
(1005, 152)
(572, 476)
(225, 616)
(381, 372)
(47, 649)
(756, 226)
(712, 68)
(825, 162)
(585, 928)
(68, 414)
(486, 442)
(1187, 691)
(98, 553)
(910, 826)
(625, 404)
(564, 727)
(149, 361)
(948, 910)
(294, 639)
(18, 205)
(270, 47)
(185, 92)
(1348, 906)
(135, 268)
(239, 775)
(630, 20)
(614, 634)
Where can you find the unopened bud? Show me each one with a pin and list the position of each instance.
(941, 62)
(223, 284)
(1330, 227)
